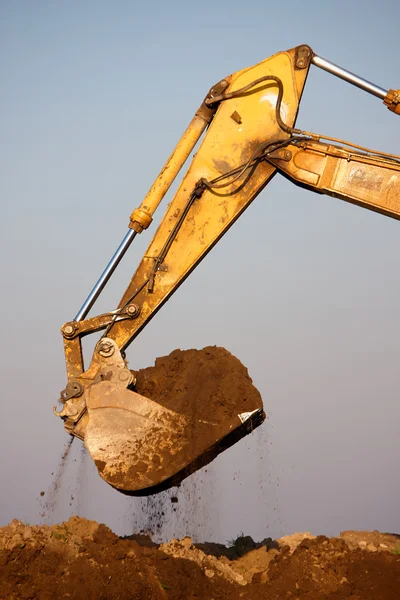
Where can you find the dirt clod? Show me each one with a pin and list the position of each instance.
(207, 385)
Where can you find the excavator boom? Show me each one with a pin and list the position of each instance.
(138, 445)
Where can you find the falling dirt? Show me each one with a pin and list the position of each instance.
(80, 559)
(49, 500)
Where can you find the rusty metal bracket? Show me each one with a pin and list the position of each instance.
(74, 331)
(303, 57)
(79, 328)
(217, 89)
(281, 154)
(73, 390)
(392, 101)
(108, 364)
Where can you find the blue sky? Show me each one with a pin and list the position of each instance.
(303, 289)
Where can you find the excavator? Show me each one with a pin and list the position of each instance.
(247, 126)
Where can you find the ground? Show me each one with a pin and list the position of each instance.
(81, 559)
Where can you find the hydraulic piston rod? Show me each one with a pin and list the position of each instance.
(365, 85)
(142, 217)
(105, 276)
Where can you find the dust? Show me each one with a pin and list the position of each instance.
(50, 500)
(82, 473)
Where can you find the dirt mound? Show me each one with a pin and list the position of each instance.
(372, 540)
(80, 559)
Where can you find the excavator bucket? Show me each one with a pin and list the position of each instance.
(141, 447)
(134, 442)
(202, 402)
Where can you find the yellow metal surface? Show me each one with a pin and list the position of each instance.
(142, 216)
(372, 182)
(240, 125)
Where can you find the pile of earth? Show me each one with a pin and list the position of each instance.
(81, 559)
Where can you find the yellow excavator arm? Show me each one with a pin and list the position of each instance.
(138, 445)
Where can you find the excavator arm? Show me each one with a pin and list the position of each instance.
(138, 445)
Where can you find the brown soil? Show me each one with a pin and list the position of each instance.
(80, 559)
(214, 404)
(208, 385)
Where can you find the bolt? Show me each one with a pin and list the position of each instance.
(301, 62)
(224, 83)
(124, 375)
(68, 329)
(132, 309)
(106, 349)
(288, 155)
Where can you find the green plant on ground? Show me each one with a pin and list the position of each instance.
(61, 534)
(164, 586)
(233, 543)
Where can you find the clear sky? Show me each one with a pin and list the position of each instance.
(304, 289)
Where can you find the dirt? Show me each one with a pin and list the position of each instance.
(49, 501)
(208, 385)
(210, 403)
(81, 559)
